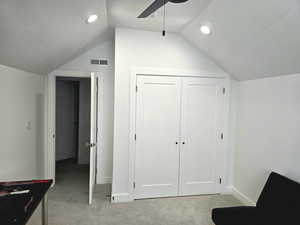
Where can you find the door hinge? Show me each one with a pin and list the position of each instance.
(133, 185)
(220, 180)
(135, 137)
(224, 91)
(136, 88)
(222, 136)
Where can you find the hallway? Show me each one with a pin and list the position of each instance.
(71, 182)
(68, 199)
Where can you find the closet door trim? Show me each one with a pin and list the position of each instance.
(146, 71)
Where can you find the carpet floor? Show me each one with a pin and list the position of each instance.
(68, 204)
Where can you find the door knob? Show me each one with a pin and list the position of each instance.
(183, 143)
(90, 145)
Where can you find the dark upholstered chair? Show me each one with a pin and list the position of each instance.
(278, 204)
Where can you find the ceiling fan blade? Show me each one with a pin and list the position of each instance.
(152, 8)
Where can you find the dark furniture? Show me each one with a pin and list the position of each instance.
(18, 201)
(278, 204)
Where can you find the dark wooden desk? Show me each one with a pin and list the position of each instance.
(19, 200)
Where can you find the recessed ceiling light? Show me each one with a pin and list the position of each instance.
(205, 29)
(92, 18)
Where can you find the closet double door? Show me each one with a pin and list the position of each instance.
(178, 128)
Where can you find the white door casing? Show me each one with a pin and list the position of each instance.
(157, 141)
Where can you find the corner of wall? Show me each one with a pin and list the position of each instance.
(242, 197)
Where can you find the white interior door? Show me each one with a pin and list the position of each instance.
(202, 104)
(157, 141)
(93, 136)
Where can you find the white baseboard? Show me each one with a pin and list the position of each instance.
(227, 190)
(120, 197)
(104, 180)
(242, 197)
(125, 197)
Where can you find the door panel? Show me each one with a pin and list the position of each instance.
(202, 102)
(93, 136)
(157, 127)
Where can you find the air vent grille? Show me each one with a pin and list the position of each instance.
(103, 62)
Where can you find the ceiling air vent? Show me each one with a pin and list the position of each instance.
(99, 62)
(103, 62)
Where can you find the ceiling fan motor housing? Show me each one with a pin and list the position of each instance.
(156, 5)
(178, 1)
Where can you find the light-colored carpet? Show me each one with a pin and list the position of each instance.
(68, 205)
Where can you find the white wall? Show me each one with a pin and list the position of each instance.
(134, 48)
(268, 132)
(82, 63)
(233, 115)
(22, 124)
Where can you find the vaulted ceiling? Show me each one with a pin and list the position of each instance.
(39, 35)
(250, 38)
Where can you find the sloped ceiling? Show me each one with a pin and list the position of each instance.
(251, 39)
(38, 36)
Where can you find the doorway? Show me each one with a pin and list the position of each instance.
(72, 122)
(92, 124)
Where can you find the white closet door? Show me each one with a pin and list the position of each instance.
(157, 127)
(202, 103)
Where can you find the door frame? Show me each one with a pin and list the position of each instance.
(224, 168)
(49, 156)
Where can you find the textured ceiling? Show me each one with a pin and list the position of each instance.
(250, 39)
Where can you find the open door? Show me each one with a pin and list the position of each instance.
(93, 137)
